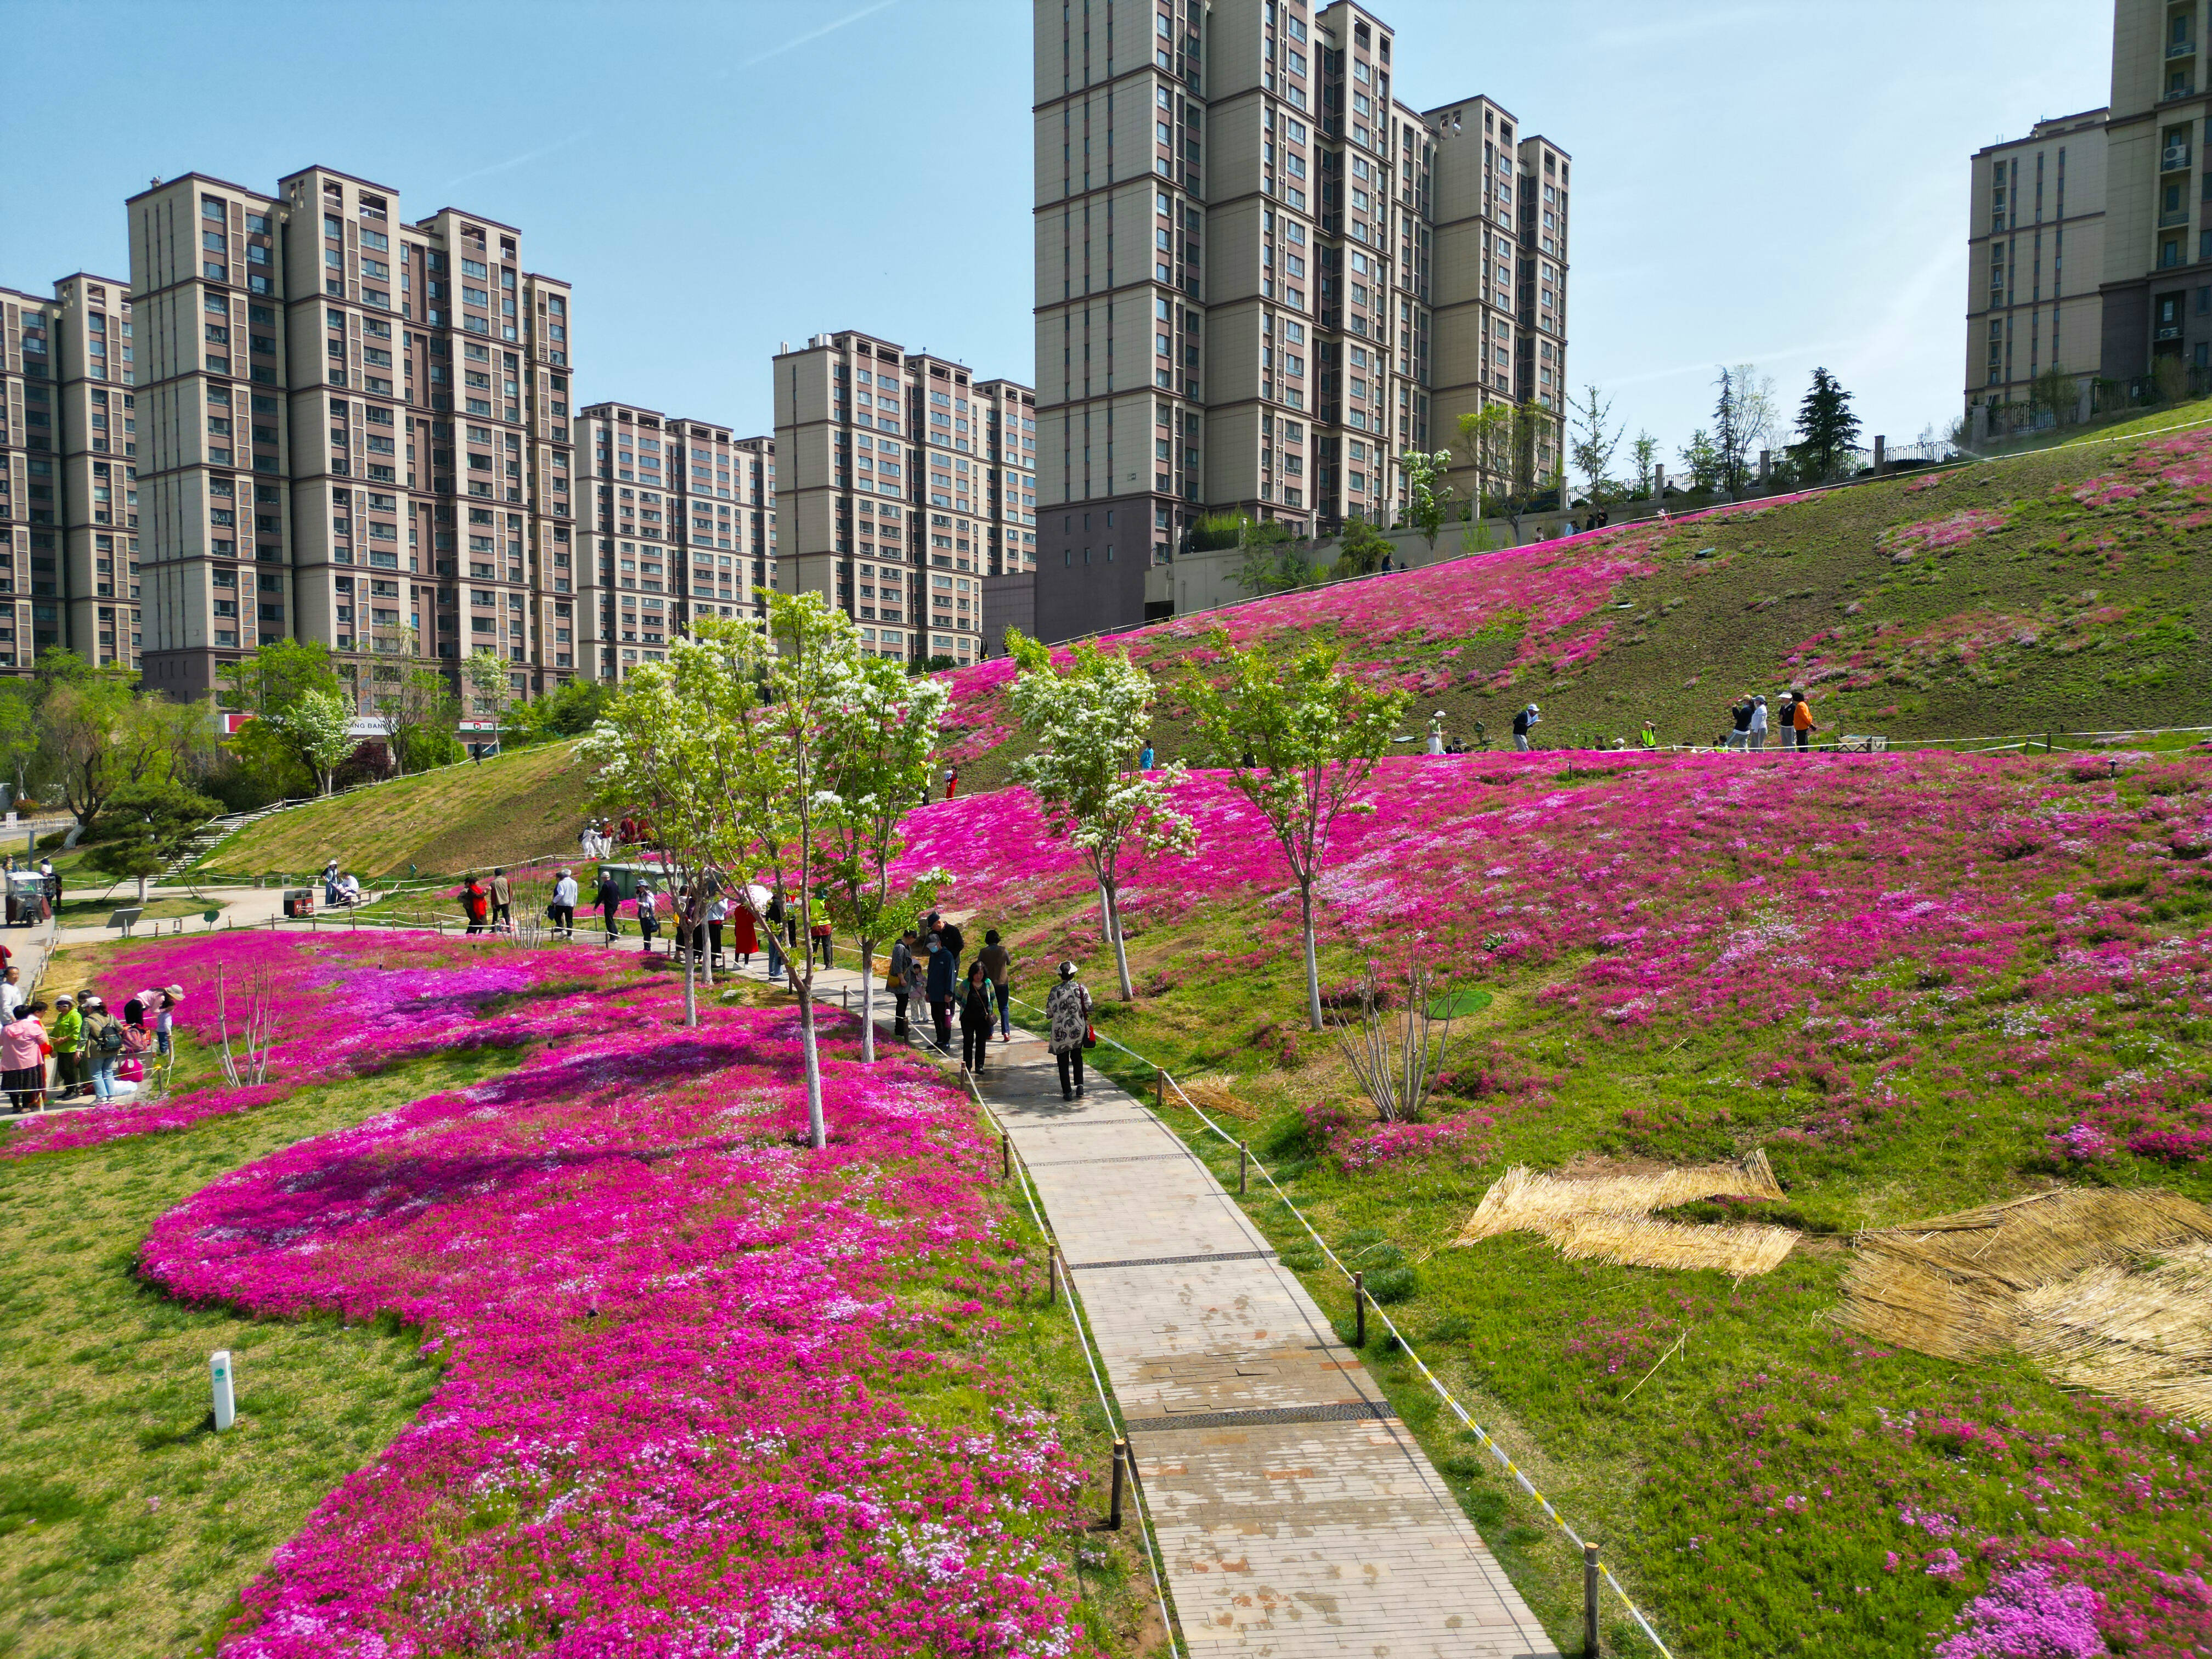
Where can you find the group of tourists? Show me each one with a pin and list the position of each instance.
(488, 906)
(90, 1050)
(1751, 721)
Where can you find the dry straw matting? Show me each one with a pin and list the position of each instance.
(1609, 1217)
(2107, 1290)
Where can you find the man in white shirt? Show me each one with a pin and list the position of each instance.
(563, 907)
(11, 994)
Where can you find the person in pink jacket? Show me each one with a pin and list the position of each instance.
(23, 1051)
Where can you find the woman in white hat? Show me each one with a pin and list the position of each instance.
(1067, 1005)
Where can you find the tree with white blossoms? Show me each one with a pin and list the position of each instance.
(880, 731)
(1089, 722)
(1299, 739)
(649, 752)
(321, 724)
(1428, 491)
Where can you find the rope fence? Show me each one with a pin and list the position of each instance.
(1482, 1434)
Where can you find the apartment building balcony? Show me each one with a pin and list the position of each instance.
(2181, 49)
(2172, 216)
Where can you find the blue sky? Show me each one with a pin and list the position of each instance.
(1780, 183)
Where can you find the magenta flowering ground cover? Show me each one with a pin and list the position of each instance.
(1918, 982)
(345, 1005)
(706, 1391)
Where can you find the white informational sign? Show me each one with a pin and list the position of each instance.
(226, 1403)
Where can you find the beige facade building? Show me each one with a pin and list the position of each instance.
(357, 432)
(1257, 271)
(905, 484)
(681, 523)
(2034, 266)
(69, 506)
(2157, 232)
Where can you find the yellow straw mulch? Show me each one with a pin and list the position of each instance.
(2107, 1290)
(1608, 1217)
(1212, 1094)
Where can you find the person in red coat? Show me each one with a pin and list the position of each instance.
(745, 936)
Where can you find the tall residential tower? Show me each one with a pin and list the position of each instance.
(1261, 277)
(356, 432)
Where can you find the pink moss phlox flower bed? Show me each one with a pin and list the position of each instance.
(346, 1004)
(687, 1361)
(1777, 894)
(1548, 588)
(1935, 535)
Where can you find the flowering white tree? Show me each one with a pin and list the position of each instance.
(880, 745)
(1428, 492)
(1089, 722)
(650, 751)
(321, 724)
(1299, 739)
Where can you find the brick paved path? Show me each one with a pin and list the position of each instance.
(1295, 1516)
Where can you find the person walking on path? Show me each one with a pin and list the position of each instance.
(1801, 719)
(23, 1051)
(476, 904)
(104, 1043)
(775, 936)
(1759, 722)
(1523, 723)
(561, 913)
(54, 883)
(819, 937)
(977, 1006)
(1067, 1006)
(901, 974)
(941, 980)
(744, 933)
(997, 962)
(67, 1037)
(609, 899)
(503, 902)
(648, 917)
(953, 940)
(718, 912)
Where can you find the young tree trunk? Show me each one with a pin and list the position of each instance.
(690, 986)
(817, 1131)
(867, 1001)
(142, 889)
(1110, 905)
(1313, 964)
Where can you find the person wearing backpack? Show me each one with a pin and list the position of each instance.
(104, 1046)
(648, 917)
(977, 1005)
(941, 980)
(998, 961)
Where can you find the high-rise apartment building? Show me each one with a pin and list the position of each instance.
(69, 503)
(2034, 264)
(356, 432)
(2157, 227)
(681, 524)
(905, 484)
(1261, 277)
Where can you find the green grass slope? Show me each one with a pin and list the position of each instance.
(456, 819)
(2066, 589)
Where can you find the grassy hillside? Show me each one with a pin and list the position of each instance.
(1917, 982)
(2065, 589)
(455, 818)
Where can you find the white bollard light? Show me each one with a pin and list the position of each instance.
(226, 1406)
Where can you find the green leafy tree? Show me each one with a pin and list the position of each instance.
(1645, 453)
(654, 751)
(149, 827)
(1500, 440)
(319, 726)
(1299, 737)
(273, 678)
(1362, 548)
(1827, 431)
(1593, 448)
(1701, 459)
(19, 731)
(1428, 491)
(879, 749)
(98, 737)
(1089, 722)
(1273, 560)
(1217, 531)
(419, 710)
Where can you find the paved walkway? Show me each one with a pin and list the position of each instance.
(1295, 1513)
